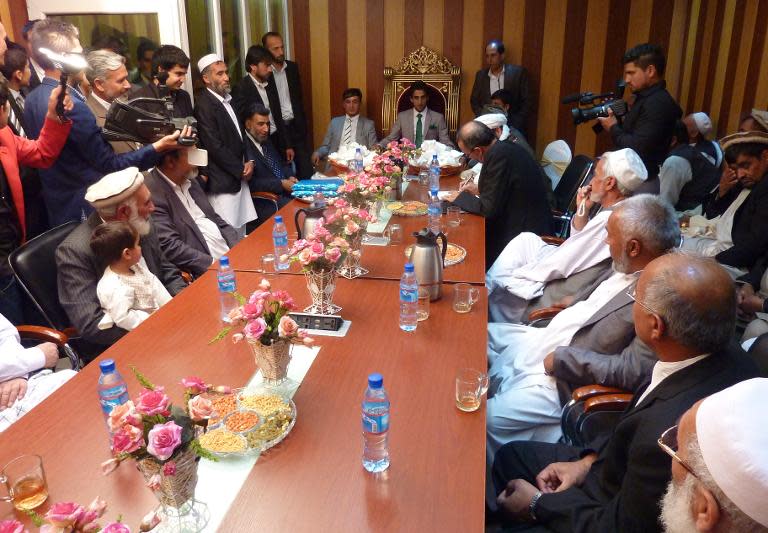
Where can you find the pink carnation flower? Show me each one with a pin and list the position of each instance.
(163, 439)
(169, 468)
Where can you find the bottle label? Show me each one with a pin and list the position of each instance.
(409, 295)
(375, 423)
(111, 398)
(280, 240)
(226, 285)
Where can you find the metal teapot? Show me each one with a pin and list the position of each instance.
(428, 261)
(312, 214)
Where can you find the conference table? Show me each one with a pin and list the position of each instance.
(313, 480)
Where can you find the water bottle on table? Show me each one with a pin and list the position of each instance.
(227, 287)
(112, 388)
(358, 160)
(280, 238)
(375, 425)
(434, 175)
(409, 299)
(434, 213)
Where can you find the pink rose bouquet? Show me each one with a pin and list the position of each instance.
(363, 188)
(346, 220)
(321, 250)
(66, 517)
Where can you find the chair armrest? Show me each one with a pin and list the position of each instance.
(588, 391)
(187, 277)
(265, 195)
(43, 334)
(549, 239)
(543, 314)
(608, 402)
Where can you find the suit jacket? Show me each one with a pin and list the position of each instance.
(513, 197)
(226, 149)
(85, 158)
(120, 147)
(433, 124)
(79, 271)
(42, 153)
(182, 102)
(516, 81)
(750, 240)
(624, 486)
(605, 351)
(245, 94)
(264, 178)
(297, 98)
(180, 238)
(364, 135)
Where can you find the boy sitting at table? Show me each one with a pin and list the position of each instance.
(128, 292)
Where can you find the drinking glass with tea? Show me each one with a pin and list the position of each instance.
(24, 479)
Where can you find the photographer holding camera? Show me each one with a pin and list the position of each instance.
(647, 127)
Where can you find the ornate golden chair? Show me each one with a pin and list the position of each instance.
(441, 76)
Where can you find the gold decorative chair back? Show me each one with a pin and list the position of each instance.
(442, 77)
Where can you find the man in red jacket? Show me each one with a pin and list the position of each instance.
(15, 151)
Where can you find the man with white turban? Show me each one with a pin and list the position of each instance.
(719, 454)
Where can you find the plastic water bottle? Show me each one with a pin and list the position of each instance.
(112, 388)
(375, 425)
(359, 160)
(409, 299)
(227, 288)
(434, 213)
(434, 174)
(280, 238)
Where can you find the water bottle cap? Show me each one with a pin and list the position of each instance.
(375, 380)
(357, 151)
(434, 156)
(107, 366)
(409, 267)
(223, 261)
(278, 219)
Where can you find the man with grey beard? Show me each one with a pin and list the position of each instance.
(719, 454)
(119, 196)
(685, 312)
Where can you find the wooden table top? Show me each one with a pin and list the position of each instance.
(314, 480)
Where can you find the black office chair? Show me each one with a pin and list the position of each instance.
(34, 265)
(577, 174)
(593, 411)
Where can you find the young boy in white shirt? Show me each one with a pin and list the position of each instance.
(128, 292)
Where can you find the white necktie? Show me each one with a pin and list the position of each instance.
(347, 136)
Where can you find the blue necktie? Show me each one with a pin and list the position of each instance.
(272, 157)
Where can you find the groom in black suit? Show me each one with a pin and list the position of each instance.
(685, 309)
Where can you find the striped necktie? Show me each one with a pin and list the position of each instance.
(419, 131)
(347, 136)
(15, 120)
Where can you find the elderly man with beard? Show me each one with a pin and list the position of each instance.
(685, 311)
(591, 341)
(192, 236)
(117, 196)
(719, 457)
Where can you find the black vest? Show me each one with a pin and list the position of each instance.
(704, 177)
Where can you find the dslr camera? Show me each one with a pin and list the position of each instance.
(592, 106)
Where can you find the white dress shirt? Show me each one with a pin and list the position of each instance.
(423, 122)
(283, 91)
(129, 300)
(262, 88)
(217, 245)
(662, 370)
(40, 71)
(106, 105)
(15, 360)
(226, 101)
(497, 81)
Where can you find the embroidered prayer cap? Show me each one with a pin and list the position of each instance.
(734, 444)
(114, 188)
(208, 60)
(761, 117)
(703, 123)
(742, 137)
(627, 167)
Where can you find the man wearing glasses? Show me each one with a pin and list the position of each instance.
(719, 463)
(685, 309)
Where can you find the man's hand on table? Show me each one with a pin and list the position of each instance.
(12, 390)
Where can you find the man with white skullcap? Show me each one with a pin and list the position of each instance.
(120, 196)
(684, 310)
(591, 341)
(719, 453)
(229, 165)
(699, 128)
(530, 274)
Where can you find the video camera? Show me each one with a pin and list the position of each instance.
(610, 100)
(130, 120)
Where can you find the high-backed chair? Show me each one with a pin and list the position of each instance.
(443, 81)
(578, 174)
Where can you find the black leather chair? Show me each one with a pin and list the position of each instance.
(34, 265)
(577, 174)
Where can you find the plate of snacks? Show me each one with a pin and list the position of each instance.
(407, 209)
(454, 254)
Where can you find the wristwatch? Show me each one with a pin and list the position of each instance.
(532, 505)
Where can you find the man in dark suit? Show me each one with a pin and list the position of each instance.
(506, 195)
(229, 165)
(86, 156)
(192, 236)
(685, 309)
(285, 78)
(258, 87)
(271, 174)
(121, 196)
(169, 62)
(419, 123)
(347, 128)
(498, 75)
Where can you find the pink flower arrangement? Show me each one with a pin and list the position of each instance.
(153, 402)
(264, 317)
(116, 527)
(346, 220)
(12, 526)
(66, 517)
(321, 250)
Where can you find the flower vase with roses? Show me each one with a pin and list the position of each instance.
(349, 222)
(363, 189)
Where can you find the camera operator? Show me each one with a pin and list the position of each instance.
(647, 127)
